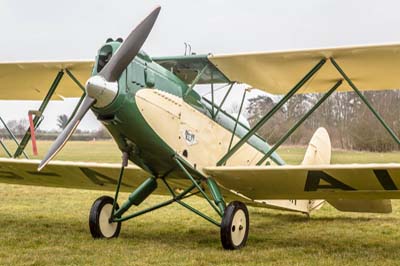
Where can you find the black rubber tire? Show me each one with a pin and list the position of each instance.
(227, 228)
(94, 217)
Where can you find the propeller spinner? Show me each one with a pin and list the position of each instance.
(102, 88)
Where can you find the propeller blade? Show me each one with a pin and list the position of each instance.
(67, 132)
(129, 48)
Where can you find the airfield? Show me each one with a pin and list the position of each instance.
(47, 226)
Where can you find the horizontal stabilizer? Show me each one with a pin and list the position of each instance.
(372, 206)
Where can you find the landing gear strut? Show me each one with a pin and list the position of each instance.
(101, 222)
(106, 216)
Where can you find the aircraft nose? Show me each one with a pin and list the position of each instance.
(102, 90)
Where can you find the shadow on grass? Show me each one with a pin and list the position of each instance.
(302, 218)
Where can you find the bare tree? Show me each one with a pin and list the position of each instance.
(348, 120)
(62, 121)
(18, 127)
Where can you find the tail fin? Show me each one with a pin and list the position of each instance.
(319, 152)
(319, 148)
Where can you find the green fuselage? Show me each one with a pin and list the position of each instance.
(126, 124)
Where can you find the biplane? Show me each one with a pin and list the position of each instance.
(185, 145)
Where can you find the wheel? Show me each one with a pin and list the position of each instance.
(235, 226)
(100, 213)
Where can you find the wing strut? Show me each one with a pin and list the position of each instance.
(196, 80)
(13, 137)
(42, 107)
(263, 120)
(293, 128)
(237, 119)
(365, 100)
(37, 119)
(306, 78)
(223, 100)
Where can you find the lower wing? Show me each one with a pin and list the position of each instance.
(340, 181)
(101, 176)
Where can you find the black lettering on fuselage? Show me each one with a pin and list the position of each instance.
(314, 179)
(99, 178)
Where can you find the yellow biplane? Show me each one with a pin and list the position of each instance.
(183, 145)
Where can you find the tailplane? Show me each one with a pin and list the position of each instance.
(319, 152)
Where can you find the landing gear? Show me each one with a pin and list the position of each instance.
(235, 226)
(99, 219)
(106, 216)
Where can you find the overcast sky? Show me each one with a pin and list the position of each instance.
(52, 30)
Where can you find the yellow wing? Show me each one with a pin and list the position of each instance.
(101, 176)
(32, 80)
(369, 67)
(340, 181)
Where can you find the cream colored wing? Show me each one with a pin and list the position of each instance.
(369, 67)
(32, 80)
(319, 152)
(102, 176)
(340, 181)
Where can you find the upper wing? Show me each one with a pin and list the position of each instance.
(32, 80)
(369, 67)
(346, 181)
(102, 176)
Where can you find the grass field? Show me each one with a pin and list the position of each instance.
(48, 226)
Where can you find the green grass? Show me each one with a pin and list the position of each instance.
(49, 226)
(91, 151)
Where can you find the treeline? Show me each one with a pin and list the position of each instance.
(351, 125)
(19, 128)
